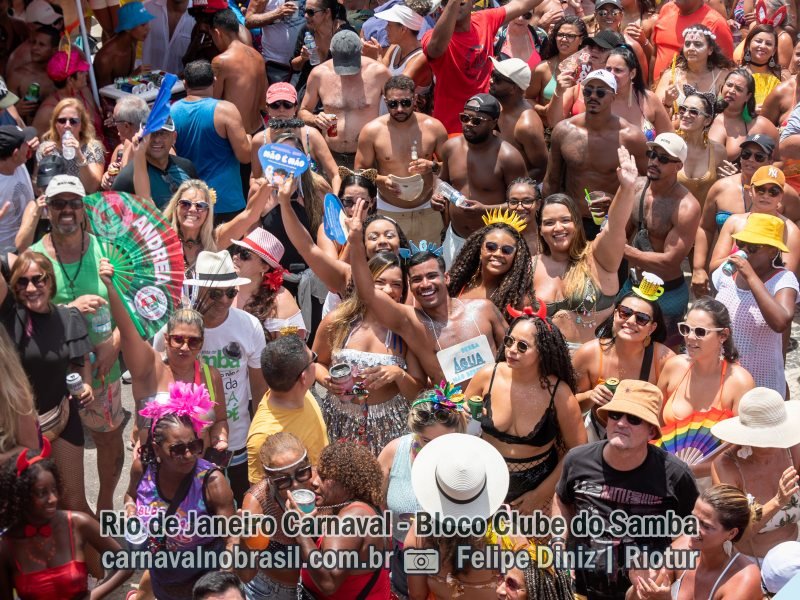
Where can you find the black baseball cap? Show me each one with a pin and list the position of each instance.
(50, 166)
(12, 137)
(484, 103)
(766, 142)
(607, 40)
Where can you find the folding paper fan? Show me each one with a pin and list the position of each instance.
(690, 439)
(146, 254)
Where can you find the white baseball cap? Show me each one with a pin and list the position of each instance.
(65, 184)
(672, 144)
(515, 69)
(400, 13)
(41, 11)
(780, 565)
(603, 76)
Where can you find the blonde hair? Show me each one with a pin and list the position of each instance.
(278, 443)
(87, 133)
(16, 395)
(207, 229)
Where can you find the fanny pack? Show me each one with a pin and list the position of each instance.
(53, 422)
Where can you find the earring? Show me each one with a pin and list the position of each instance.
(771, 63)
(647, 341)
(747, 56)
(705, 138)
(158, 459)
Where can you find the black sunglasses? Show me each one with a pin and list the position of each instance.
(281, 104)
(662, 158)
(193, 342)
(522, 347)
(499, 77)
(750, 248)
(772, 190)
(314, 358)
(604, 12)
(757, 156)
(599, 92)
(284, 482)
(404, 102)
(617, 416)
(440, 415)
(71, 120)
(195, 447)
(38, 281)
(218, 294)
(626, 313)
(506, 249)
(693, 112)
(243, 253)
(310, 12)
(61, 203)
(475, 121)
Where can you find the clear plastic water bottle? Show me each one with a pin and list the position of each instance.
(450, 193)
(309, 43)
(101, 324)
(729, 268)
(68, 152)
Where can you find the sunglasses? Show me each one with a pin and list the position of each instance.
(567, 36)
(61, 203)
(440, 415)
(310, 12)
(525, 203)
(699, 332)
(772, 190)
(71, 120)
(314, 358)
(750, 248)
(692, 112)
(199, 206)
(284, 482)
(512, 585)
(404, 102)
(243, 253)
(617, 416)
(757, 156)
(614, 12)
(281, 104)
(506, 249)
(193, 342)
(522, 347)
(599, 92)
(218, 294)
(351, 201)
(662, 158)
(38, 281)
(626, 313)
(498, 78)
(475, 121)
(195, 447)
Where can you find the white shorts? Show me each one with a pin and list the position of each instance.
(452, 246)
(99, 4)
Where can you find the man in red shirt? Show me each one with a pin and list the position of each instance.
(458, 50)
(674, 18)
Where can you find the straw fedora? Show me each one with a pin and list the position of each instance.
(765, 420)
(215, 269)
(264, 245)
(459, 475)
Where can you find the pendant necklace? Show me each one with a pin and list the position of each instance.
(70, 280)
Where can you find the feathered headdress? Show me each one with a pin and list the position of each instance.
(445, 395)
(528, 310)
(424, 246)
(185, 400)
(776, 19)
(507, 217)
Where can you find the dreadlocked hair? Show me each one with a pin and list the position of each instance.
(352, 309)
(157, 435)
(15, 492)
(554, 359)
(516, 286)
(355, 468)
(543, 585)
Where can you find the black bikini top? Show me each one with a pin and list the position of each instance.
(543, 433)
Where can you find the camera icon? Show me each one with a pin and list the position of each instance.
(421, 562)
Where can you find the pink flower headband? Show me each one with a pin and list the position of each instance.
(185, 400)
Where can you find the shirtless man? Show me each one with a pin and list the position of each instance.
(349, 87)
(38, 13)
(389, 143)
(440, 322)
(117, 57)
(519, 123)
(481, 166)
(239, 72)
(44, 43)
(665, 221)
(579, 156)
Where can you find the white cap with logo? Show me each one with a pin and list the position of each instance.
(672, 144)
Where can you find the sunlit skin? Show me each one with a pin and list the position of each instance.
(352, 194)
(192, 219)
(179, 465)
(699, 347)
(428, 285)
(184, 355)
(517, 579)
(524, 331)
(622, 436)
(390, 281)
(558, 228)
(381, 236)
(595, 104)
(696, 49)
(67, 220)
(628, 329)
(734, 92)
(477, 134)
(35, 299)
(496, 263)
(44, 499)
(69, 113)
(762, 48)
(691, 123)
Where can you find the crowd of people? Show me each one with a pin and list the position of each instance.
(542, 262)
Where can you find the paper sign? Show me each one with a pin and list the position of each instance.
(333, 220)
(279, 161)
(462, 361)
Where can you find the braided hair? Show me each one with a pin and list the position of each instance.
(543, 585)
(516, 286)
(157, 435)
(554, 356)
(15, 492)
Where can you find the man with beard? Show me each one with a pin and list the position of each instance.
(580, 157)
(239, 75)
(117, 57)
(445, 333)
(402, 145)
(481, 166)
(164, 171)
(43, 45)
(666, 218)
(519, 123)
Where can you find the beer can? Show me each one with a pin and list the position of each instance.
(611, 383)
(333, 130)
(74, 384)
(342, 374)
(32, 95)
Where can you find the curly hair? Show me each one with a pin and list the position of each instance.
(554, 356)
(717, 58)
(156, 435)
(605, 331)
(15, 492)
(516, 286)
(355, 468)
(550, 48)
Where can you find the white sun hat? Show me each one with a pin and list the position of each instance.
(765, 420)
(216, 270)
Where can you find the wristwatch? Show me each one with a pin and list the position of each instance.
(436, 167)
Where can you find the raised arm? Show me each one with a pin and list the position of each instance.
(608, 246)
(515, 8)
(30, 220)
(443, 31)
(238, 227)
(555, 164)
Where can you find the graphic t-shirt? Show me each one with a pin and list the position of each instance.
(232, 348)
(464, 68)
(593, 487)
(17, 190)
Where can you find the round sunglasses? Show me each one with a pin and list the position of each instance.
(626, 313)
(757, 156)
(522, 346)
(773, 191)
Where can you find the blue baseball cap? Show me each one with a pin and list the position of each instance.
(131, 15)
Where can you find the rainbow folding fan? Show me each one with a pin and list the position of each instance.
(690, 439)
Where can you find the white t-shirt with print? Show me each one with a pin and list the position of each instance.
(17, 190)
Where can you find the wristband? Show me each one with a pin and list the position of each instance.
(436, 168)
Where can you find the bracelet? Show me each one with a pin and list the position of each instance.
(127, 504)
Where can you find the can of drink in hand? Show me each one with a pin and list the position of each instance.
(333, 130)
(611, 383)
(75, 385)
(32, 95)
(342, 374)
(729, 268)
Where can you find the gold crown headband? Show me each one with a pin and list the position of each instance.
(371, 174)
(506, 217)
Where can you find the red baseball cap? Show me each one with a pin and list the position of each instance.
(281, 91)
(210, 6)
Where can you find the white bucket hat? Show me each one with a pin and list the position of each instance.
(765, 420)
(216, 270)
(459, 475)
(264, 245)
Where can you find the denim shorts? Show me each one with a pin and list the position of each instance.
(262, 587)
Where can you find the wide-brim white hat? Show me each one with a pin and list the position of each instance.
(765, 420)
(459, 475)
(215, 269)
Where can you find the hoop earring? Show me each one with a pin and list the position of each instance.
(747, 56)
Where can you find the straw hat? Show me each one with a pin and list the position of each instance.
(638, 398)
(459, 475)
(264, 245)
(216, 270)
(765, 421)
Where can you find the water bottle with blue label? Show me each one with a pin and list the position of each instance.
(100, 324)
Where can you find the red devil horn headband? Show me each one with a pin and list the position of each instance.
(23, 462)
(527, 310)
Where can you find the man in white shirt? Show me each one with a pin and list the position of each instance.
(169, 36)
(16, 191)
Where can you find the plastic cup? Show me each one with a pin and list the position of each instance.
(306, 500)
(597, 217)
